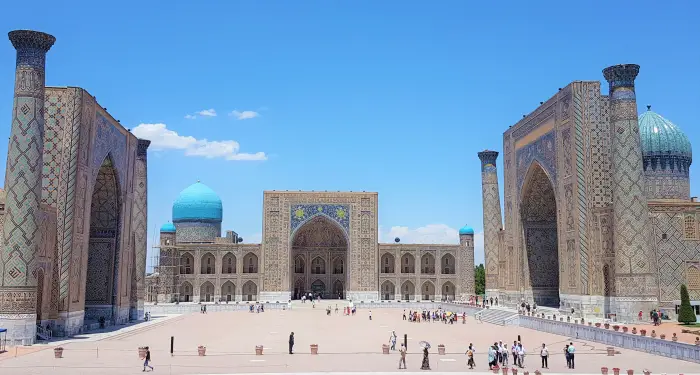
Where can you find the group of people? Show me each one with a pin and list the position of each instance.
(433, 316)
(257, 308)
(498, 354)
(655, 316)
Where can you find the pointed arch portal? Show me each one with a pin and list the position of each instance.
(538, 213)
(318, 259)
(102, 279)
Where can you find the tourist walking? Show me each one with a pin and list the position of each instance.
(503, 349)
(514, 351)
(571, 350)
(392, 340)
(568, 357)
(492, 356)
(470, 357)
(426, 362)
(147, 360)
(370, 314)
(291, 343)
(544, 353)
(402, 359)
(521, 355)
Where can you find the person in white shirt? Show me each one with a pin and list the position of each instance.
(521, 355)
(504, 354)
(544, 353)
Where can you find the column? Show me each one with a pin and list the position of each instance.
(140, 226)
(18, 287)
(635, 265)
(492, 218)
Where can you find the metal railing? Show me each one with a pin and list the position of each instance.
(44, 333)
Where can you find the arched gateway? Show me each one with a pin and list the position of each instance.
(598, 213)
(321, 243)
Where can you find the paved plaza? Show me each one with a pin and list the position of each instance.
(346, 344)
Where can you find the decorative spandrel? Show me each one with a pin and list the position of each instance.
(301, 213)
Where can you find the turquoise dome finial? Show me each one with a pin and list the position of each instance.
(466, 230)
(663, 143)
(198, 203)
(167, 228)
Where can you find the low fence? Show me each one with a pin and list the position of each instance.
(657, 346)
(191, 307)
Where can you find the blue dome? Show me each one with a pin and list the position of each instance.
(167, 228)
(466, 230)
(198, 203)
(662, 138)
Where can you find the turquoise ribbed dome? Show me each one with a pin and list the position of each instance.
(198, 203)
(167, 228)
(662, 138)
(466, 230)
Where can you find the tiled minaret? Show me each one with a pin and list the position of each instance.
(466, 260)
(493, 222)
(23, 177)
(140, 225)
(635, 284)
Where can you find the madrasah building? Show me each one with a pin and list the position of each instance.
(324, 243)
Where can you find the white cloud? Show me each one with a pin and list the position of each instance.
(207, 112)
(244, 115)
(163, 138)
(253, 238)
(190, 117)
(429, 234)
(432, 234)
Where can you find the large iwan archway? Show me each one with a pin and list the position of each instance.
(318, 259)
(538, 209)
(102, 281)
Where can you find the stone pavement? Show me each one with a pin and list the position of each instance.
(346, 343)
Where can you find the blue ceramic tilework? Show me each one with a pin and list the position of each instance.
(300, 213)
(544, 151)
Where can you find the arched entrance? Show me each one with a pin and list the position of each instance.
(318, 259)
(408, 291)
(538, 212)
(388, 290)
(206, 292)
(102, 280)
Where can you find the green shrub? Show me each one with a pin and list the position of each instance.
(686, 315)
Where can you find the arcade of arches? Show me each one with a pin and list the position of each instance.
(418, 274)
(229, 271)
(319, 255)
(539, 223)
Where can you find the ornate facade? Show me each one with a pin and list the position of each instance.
(73, 209)
(320, 243)
(598, 215)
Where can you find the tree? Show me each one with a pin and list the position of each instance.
(479, 280)
(686, 315)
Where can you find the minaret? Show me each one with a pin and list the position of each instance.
(635, 262)
(140, 220)
(466, 262)
(23, 177)
(492, 218)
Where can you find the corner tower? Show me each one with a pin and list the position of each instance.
(23, 177)
(466, 256)
(492, 218)
(635, 266)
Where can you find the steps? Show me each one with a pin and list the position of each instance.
(497, 316)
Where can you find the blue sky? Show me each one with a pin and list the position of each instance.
(389, 96)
